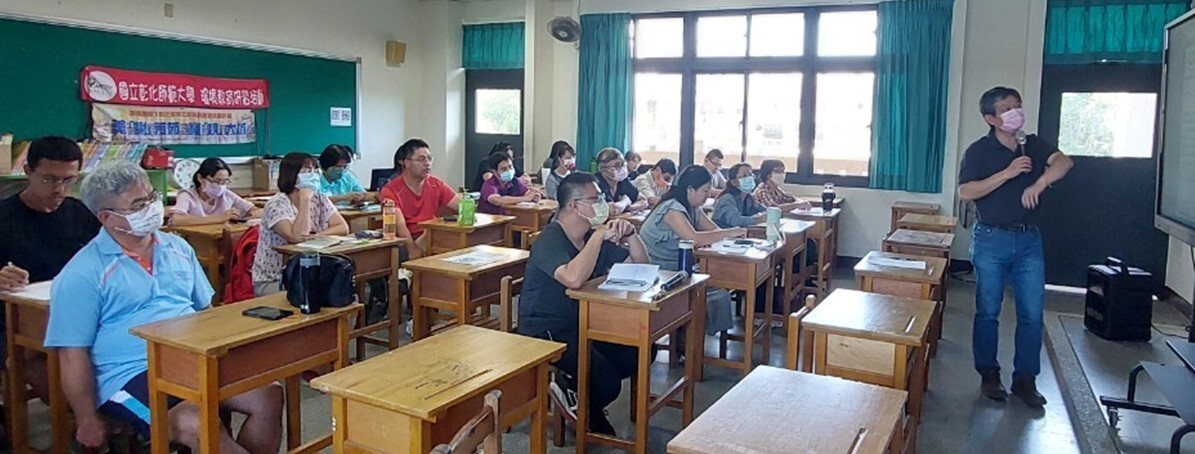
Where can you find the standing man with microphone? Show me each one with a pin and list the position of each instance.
(1005, 174)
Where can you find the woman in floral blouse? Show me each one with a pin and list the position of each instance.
(770, 194)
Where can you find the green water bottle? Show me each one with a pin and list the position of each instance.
(468, 212)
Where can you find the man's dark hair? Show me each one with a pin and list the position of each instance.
(571, 185)
(496, 158)
(666, 166)
(714, 153)
(289, 168)
(631, 156)
(333, 154)
(406, 150)
(54, 148)
(987, 102)
(502, 147)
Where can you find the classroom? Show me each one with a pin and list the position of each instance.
(558, 226)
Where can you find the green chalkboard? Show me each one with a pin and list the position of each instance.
(39, 84)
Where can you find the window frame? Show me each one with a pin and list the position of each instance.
(689, 66)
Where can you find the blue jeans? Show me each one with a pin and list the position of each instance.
(1008, 257)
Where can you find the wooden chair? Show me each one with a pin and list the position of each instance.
(508, 289)
(480, 432)
(797, 339)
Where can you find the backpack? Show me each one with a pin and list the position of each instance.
(240, 268)
(336, 286)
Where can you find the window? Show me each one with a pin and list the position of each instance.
(656, 128)
(791, 83)
(659, 38)
(1114, 125)
(499, 112)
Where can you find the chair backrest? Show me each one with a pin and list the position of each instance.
(480, 432)
(797, 338)
(507, 290)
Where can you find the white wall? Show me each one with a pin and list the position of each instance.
(443, 88)
(359, 28)
(991, 45)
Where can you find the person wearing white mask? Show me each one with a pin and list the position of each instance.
(1004, 174)
(561, 163)
(615, 186)
(770, 192)
(298, 212)
(209, 201)
(580, 244)
(129, 275)
(503, 189)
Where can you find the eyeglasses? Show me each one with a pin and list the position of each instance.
(223, 182)
(140, 204)
(423, 159)
(615, 166)
(59, 182)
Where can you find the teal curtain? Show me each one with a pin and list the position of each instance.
(604, 92)
(1125, 31)
(909, 113)
(493, 46)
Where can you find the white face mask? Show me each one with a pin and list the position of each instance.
(601, 212)
(144, 222)
(777, 179)
(309, 180)
(621, 173)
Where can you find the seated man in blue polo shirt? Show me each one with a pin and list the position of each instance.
(130, 275)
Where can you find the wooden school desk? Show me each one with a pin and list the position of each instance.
(533, 216)
(444, 236)
(824, 234)
(779, 411)
(745, 272)
(873, 338)
(413, 398)
(440, 284)
(793, 275)
(914, 242)
(372, 259)
(26, 320)
(206, 240)
(922, 284)
(900, 208)
(639, 319)
(218, 353)
(928, 223)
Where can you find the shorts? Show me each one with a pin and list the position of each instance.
(131, 404)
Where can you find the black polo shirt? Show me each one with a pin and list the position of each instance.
(986, 157)
(543, 305)
(624, 187)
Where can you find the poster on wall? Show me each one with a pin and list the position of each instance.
(172, 125)
(118, 86)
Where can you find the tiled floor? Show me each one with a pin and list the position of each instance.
(956, 418)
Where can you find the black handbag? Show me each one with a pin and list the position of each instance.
(334, 288)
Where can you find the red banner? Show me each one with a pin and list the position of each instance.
(118, 86)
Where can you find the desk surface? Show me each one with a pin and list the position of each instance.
(929, 219)
(347, 247)
(933, 274)
(543, 205)
(787, 226)
(427, 377)
(498, 257)
(209, 230)
(760, 413)
(919, 238)
(1175, 382)
(759, 253)
(27, 298)
(591, 292)
(214, 331)
(873, 316)
(916, 206)
(815, 213)
(481, 220)
(1185, 351)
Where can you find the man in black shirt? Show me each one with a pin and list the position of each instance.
(579, 245)
(1005, 174)
(43, 228)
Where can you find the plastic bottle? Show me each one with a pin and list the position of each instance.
(468, 211)
(828, 197)
(389, 220)
(773, 224)
(685, 260)
(309, 283)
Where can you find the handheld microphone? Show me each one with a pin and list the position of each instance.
(673, 282)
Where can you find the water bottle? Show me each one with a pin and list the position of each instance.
(773, 224)
(828, 197)
(685, 261)
(468, 212)
(309, 283)
(389, 220)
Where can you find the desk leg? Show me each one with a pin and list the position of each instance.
(694, 335)
(419, 313)
(60, 424)
(583, 379)
(339, 424)
(749, 324)
(395, 309)
(695, 349)
(539, 426)
(209, 407)
(159, 423)
(642, 392)
(766, 327)
(18, 407)
(294, 419)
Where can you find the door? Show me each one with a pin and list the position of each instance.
(493, 113)
(1103, 116)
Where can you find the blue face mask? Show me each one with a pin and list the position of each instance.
(747, 184)
(507, 175)
(335, 173)
(309, 180)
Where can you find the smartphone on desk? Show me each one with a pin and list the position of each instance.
(744, 242)
(450, 218)
(267, 313)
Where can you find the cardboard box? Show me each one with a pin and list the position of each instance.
(5, 154)
(265, 174)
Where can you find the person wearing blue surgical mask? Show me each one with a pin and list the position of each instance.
(337, 181)
(736, 207)
(298, 212)
(503, 189)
